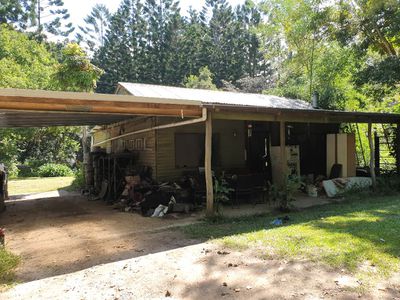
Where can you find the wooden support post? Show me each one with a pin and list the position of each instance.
(283, 151)
(372, 156)
(208, 168)
(377, 154)
(397, 148)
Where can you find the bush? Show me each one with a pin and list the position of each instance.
(79, 181)
(54, 170)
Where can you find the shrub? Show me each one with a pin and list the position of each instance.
(79, 181)
(54, 170)
(284, 194)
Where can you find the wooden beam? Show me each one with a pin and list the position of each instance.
(372, 156)
(282, 135)
(306, 116)
(93, 106)
(208, 167)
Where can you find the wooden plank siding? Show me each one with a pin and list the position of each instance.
(147, 152)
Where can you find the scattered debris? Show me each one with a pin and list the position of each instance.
(232, 265)
(237, 290)
(280, 221)
(142, 194)
(168, 294)
(224, 284)
(223, 252)
(206, 251)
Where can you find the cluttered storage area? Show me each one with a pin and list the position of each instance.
(158, 171)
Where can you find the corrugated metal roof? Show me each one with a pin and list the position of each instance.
(209, 97)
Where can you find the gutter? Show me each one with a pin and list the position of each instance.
(202, 119)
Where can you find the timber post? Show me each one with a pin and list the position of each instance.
(208, 167)
(397, 148)
(377, 152)
(372, 156)
(282, 133)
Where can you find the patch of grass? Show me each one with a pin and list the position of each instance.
(8, 262)
(38, 185)
(358, 235)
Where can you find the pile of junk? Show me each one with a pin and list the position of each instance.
(140, 193)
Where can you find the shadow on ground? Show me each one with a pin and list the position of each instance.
(60, 235)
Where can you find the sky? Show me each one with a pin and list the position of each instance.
(79, 9)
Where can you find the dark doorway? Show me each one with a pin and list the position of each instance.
(258, 149)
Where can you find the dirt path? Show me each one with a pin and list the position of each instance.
(56, 236)
(201, 271)
(75, 249)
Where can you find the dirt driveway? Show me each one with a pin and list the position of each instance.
(102, 254)
(60, 235)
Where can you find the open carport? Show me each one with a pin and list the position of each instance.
(58, 235)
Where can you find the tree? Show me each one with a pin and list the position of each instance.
(150, 42)
(226, 54)
(13, 12)
(49, 16)
(370, 24)
(96, 24)
(24, 63)
(203, 81)
(123, 56)
(164, 21)
(76, 72)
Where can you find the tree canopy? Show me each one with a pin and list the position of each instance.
(27, 63)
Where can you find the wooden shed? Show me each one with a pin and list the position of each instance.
(175, 130)
(236, 131)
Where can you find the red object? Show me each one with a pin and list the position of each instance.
(2, 231)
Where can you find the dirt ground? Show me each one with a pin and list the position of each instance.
(60, 235)
(99, 253)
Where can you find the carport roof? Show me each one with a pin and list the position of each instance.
(35, 108)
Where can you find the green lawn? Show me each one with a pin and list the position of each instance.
(38, 185)
(361, 236)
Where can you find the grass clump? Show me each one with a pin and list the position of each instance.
(8, 263)
(358, 235)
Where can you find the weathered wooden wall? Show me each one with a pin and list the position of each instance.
(231, 147)
(143, 143)
(159, 150)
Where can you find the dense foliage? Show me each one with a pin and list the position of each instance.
(151, 42)
(27, 63)
(345, 51)
(40, 17)
(54, 170)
